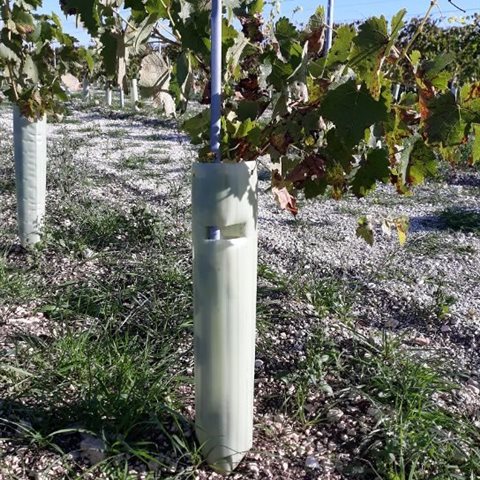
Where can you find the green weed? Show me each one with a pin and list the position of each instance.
(412, 436)
(434, 244)
(313, 378)
(117, 133)
(134, 162)
(467, 221)
(15, 283)
(329, 296)
(416, 438)
(118, 386)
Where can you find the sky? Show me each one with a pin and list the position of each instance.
(344, 10)
(351, 10)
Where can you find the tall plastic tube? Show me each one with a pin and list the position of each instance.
(225, 279)
(86, 89)
(134, 94)
(30, 151)
(396, 92)
(122, 98)
(108, 96)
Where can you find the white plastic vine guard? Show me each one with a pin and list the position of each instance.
(108, 97)
(134, 91)
(225, 285)
(122, 98)
(86, 89)
(30, 151)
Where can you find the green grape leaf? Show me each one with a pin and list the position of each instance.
(352, 111)
(300, 72)
(134, 4)
(250, 109)
(87, 56)
(432, 68)
(369, 48)
(415, 57)
(316, 69)
(337, 150)
(285, 30)
(183, 72)
(476, 143)
(109, 52)
(24, 22)
(317, 19)
(233, 55)
(286, 34)
(29, 4)
(195, 33)
(340, 50)
(440, 82)
(314, 188)
(87, 12)
(444, 123)
(256, 7)
(7, 53)
(397, 23)
(365, 230)
(417, 162)
(30, 69)
(470, 102)
(280, 73)
(433, 73)
(372, 168)
(245, 128)
(137, 37)
(161, 8)
(231, 4)
(197, 126)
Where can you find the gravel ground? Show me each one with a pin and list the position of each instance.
(426, 293)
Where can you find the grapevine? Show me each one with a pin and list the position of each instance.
(330, 120)
(30, 65)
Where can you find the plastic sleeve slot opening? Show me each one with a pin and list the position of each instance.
(229, 232)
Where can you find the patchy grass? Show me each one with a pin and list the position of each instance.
(117, 133)
(416, 437)
(111, 364)
(115, 299)
(434, 244)
(158, 156)
(321, 364)
(91, 129)
(134, 162)
(93, 224)
(63, 175)
(15, 283)
(117, 386)
(112, 291)
(409, 429)
(329, 296)
(461, 220)
(71, 120)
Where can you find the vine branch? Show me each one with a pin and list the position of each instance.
(6, 13)
(433, 3)
(158, 34)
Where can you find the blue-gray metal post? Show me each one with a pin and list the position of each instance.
(216, 91)
(328, 42)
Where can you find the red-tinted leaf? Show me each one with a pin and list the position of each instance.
(312, 167)
(286, 201)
